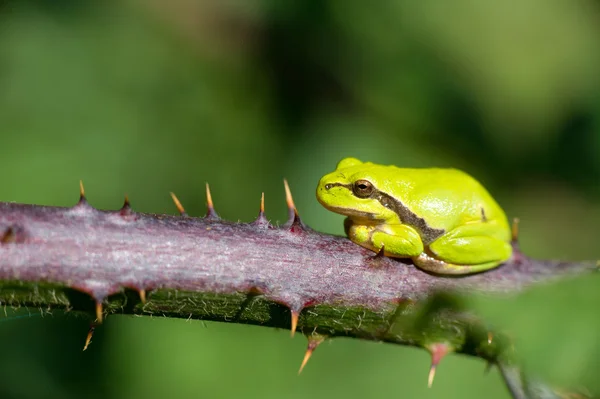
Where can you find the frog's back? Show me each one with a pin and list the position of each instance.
(446, 197)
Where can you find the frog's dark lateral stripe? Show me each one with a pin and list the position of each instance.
(427, 233)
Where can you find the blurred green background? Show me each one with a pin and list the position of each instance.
(146, 96)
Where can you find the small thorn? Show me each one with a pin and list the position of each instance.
(490, 337)
(438, 351)
(431, 376)
(261, 220)
(126, 208)
(313, 342)
(294, 223)
(142, 296)
(292, 212)
(82, 200)
(262, 204)
(307, 356)
(381, 252)
(8, 236)
(88, 339)
(178, 205)
(295, 316)
(210, 212)
(99, 312)
(515, 229)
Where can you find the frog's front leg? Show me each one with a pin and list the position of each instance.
(470, 248)
(399, 241)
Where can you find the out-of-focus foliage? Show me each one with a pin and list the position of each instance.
(145, 97)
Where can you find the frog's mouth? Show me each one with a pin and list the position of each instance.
(351, 213)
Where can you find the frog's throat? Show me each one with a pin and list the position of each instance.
(428, 234)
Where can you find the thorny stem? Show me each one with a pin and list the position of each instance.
(103, 262)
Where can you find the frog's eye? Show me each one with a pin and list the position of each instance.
(362, 188)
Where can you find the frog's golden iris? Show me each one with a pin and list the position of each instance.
(442, 219)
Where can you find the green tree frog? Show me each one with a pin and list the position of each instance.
(442, 219)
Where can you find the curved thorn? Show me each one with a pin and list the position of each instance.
(313, 342)
(515, 229)
(88, 339)
(294, 223)
(381, 252)
(142, 294)
(178, 205)
(292, 212)
(210, 212)
(288, 195)
(99, 312)
(295, 316)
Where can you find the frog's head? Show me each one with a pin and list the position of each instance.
(352, 190)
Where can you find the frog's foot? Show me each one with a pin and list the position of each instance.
(433, 265)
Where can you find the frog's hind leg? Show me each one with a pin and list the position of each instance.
(470, 248)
